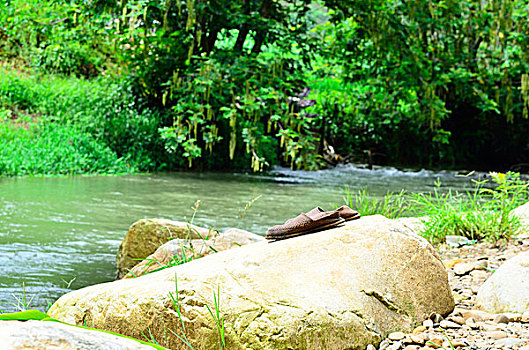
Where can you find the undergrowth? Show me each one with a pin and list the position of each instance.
(74, 126)
(49, 149)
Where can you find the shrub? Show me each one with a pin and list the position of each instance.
(50, 149)
(103, 109)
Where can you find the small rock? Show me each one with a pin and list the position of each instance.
(479, 274)
(501, 318)
(459, 297)
(419, 329)
(525, 317)
(427, 323)
(481, 264)
(467, 292)
(458, 320)
(513, 317)
(395, 346)
(497, 335)
(435, 317)
(463, 268)
(449, 324)
(436, 342)
(478, 316)
(458, 344)
(371, 347)
(470, 322)
(396, 336)
(458, 311)
(509, 342)
(412, 347)
(456, 241)
(447, 344)
(488, 327)
(417, 339)
(383, 345)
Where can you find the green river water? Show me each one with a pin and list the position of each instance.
(59, 234)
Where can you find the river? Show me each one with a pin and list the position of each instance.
(62, 233)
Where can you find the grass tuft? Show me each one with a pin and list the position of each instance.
(482, 213)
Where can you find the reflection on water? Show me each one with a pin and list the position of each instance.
(58, 234)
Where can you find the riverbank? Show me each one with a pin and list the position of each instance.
(468, 267)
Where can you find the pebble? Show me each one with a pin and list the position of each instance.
(458, 344)
(463, 268)
(481, 264)
(513, 317)
(395, 336)
(428, 323)
(501, 318)
(417, 339)
(477, 315)
(457, 319)
(451, 263)
(449, 324)
(370, 347)
(456, 241)
(383, 345)
(412, 347)
(419, 329)
(510, 342)
(470, 322)
(498, 335)
(488, 327)
(479, 274)
(395, 346)
(436, 342)
(525, 317)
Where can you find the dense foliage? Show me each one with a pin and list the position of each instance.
(172, 84)
(441, 81)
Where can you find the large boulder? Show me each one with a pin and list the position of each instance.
(146, 235)
(413, 223)
(40, 335)
(522, 212)
(507, 290)
(343, 288)
(181, 250)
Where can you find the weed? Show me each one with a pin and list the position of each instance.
(392, 205)
(219, 319)
(215, 314)
(22, 303)
(248, 205)
(482, 212)
(448, 340)
(175, 299)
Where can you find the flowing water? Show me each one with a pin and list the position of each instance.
(59, 234)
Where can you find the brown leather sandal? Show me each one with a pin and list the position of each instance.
(344, 212)
(303, 224)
